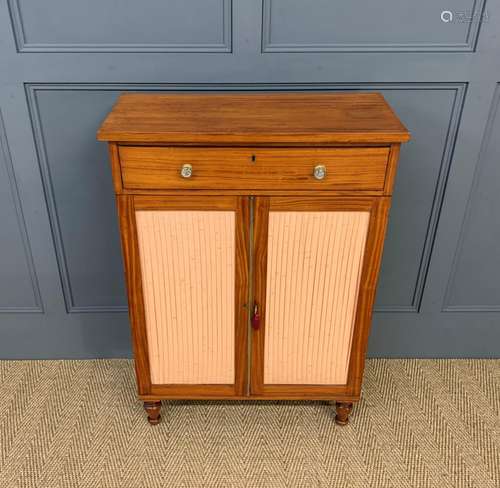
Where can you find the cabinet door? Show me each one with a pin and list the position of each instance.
(316, 265)
(187, 273)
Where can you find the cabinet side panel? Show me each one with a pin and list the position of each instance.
(313, 272)
(188, 273)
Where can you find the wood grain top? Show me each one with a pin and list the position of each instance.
(253, 118)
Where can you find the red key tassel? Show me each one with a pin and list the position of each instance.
(256, 317)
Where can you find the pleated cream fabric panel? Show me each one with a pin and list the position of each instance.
(188, 269)
(313, 274)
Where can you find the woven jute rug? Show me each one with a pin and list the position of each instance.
(421, 423)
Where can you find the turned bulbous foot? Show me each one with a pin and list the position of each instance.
(153, 411)
(342, 409)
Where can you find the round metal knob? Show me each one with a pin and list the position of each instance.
(186, 171)
(319, 172)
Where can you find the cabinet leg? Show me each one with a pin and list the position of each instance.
(153, 411)
(343, 409)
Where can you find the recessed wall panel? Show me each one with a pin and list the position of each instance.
(77, 180)
(127, 26)
(363, 25)
(19, 290)
(474, 284)
(430, 111)
(432, 114)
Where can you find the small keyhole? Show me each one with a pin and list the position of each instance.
(253, 158)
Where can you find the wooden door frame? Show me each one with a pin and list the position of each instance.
(127, 207)
(378, 207)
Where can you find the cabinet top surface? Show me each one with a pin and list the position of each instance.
(253, 118)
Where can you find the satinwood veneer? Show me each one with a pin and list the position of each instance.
(252, 229)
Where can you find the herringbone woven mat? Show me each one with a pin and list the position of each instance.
(421, 423)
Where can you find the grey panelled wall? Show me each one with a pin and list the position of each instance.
(64, 63)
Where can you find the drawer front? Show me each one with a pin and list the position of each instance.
(156, 168)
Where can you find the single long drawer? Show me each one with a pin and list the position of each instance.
(150, 168)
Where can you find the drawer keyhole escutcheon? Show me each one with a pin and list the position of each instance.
(319, 172)
(186, 171)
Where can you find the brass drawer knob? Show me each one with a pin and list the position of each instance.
(186, 171)
(319, 172)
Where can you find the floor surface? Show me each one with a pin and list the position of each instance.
(421, 423)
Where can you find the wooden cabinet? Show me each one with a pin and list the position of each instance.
(252, 232)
